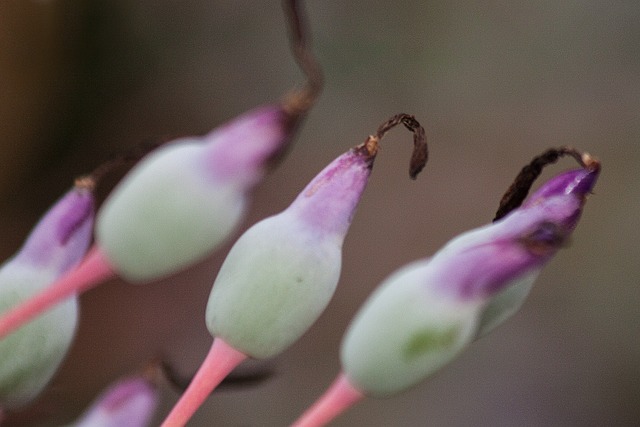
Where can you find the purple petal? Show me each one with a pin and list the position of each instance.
(579, 182)
(329, 201)
(484, 261)
(61, 238)
(130, 402)
(243, 147)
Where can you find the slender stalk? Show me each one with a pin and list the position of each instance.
(300, 101)
(337, 399)
(94, 270)
(221, 360)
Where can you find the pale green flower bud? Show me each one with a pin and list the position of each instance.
(30, 356)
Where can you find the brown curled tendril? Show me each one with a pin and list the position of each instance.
(519, 190)
(420, 153)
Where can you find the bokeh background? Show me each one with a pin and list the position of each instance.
(494, 83)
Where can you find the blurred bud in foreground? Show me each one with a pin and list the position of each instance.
(130, 402)
(281, 273)
(425, 314)
(31, 355)
(186, 198)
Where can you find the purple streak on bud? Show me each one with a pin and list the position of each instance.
(329, 201)
(522, 241)
(61, 238)
(130, 402)
(241, 149)
(579, 182)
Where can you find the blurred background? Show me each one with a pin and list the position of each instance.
(493, 82)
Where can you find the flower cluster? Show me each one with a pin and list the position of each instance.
(180, 202)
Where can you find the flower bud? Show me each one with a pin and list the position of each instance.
(130, 402)
(183, 200)
(282, 272)
(31, 355)
(423, 315)
(507, 302)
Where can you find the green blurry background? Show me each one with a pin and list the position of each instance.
(494, 83)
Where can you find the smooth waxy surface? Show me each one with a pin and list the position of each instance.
(426, 313)
(282, 272)
(186, 198)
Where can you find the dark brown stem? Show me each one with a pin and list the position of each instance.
(233, 380)
(519, 190)
(420, 153)
(127, 158)
(300, 101)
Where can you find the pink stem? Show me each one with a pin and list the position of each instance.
(93, 270)
(221, 360)
(337, 399)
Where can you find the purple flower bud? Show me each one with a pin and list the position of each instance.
(282, 272)
(279, 276)
(61, 238)
(183, 200)
(31, 355)
(439, 302)
(328, 202)
(263, 132)
(423, 315)
(503, 305)
(130, 402)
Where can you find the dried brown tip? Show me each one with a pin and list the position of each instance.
(590, 163)
(85, 183)
(420, 153)
(299, 101)
(153, 372)
(518, 191)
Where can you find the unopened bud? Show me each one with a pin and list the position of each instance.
(282, 272)
(422, 316)
(30, 356)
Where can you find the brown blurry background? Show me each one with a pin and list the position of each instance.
(494, 83)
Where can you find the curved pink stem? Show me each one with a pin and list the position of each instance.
(337, 399)
(221, 360)
(94, 270)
